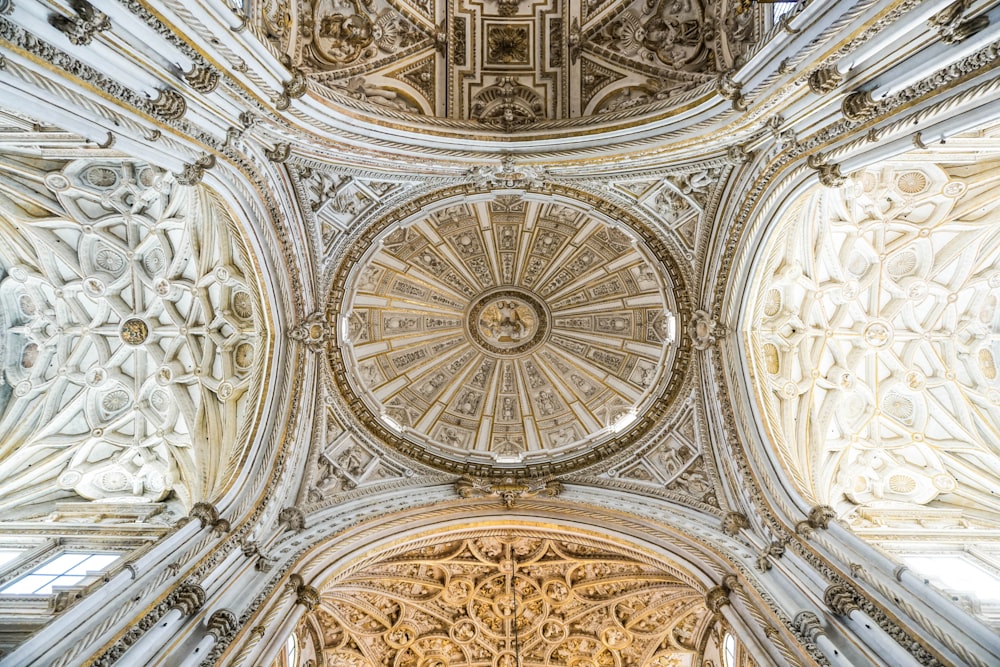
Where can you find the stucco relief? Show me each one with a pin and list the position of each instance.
(334, 200)
(507, 600)
(515, 329)
(131, 338)
(509, 65)
(876, 335)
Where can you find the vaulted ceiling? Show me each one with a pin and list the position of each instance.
(875, 332)
(511, 65)
(133, 336)
(494, 249)
(510, 599)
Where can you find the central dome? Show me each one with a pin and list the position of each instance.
(505, 330)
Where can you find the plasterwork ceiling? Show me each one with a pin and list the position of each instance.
(133, 339)
(509, 65)
(675, 465)
(334, 201)
(875, 336)
(469, 602)
(510, 329)
(343, 464)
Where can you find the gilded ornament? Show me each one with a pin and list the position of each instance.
(134, 331)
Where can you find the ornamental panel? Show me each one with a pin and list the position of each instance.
(512, 65)
(875, 335)
(505, 600)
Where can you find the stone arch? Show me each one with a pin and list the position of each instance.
(350, 556)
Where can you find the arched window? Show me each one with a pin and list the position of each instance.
(291, 651)
(729, 651)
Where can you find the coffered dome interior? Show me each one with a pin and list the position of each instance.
(508, 330)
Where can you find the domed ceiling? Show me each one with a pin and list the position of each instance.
(504, 330)
(506, 601)
(512, 65)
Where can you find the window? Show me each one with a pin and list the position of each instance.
(66, 569)
(781, 8)
(292, 651)
(7, 555)
(955, 572)
(729, 651)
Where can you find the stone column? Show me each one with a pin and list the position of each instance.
(840, 599)
(809, 625)
(718, 602)
(306, 599)
(222, 623)
(188, 598)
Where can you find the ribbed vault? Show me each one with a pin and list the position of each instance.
(500, 599)
(133, 336)
(874, 334)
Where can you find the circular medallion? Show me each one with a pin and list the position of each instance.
(134, 331)
(507, 322)
(878, 335)
(505, 332)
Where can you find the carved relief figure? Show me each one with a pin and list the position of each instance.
(345, 36)
(347, 32)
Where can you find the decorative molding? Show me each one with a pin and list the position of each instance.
(734, 522)
(188, 598)
(314, 332)
(775, 549)
(858, 105)
(194, 172)
(840, 599)
(205, 513)
(951, 23)
(731, 90)
(510, 490)
(293, 519)
(830, 176)
(292, 89)
(79, 29)
(222, 624)
(716, 598)
(508, 175)
(202, 79)
(808, 624)
(280, 153)
(307, 596)
(825, 79)
(169, 104)
(705, 331)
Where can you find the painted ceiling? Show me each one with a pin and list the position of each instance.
(508, 330)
